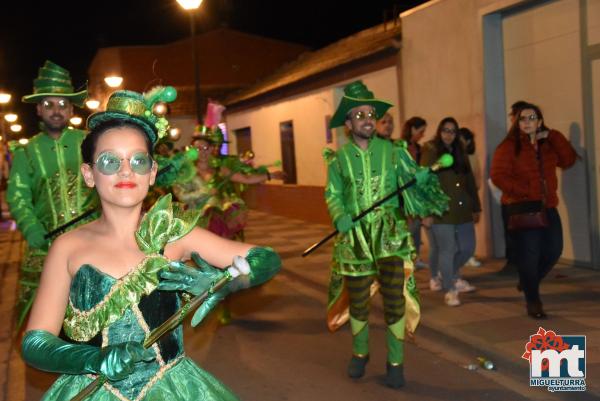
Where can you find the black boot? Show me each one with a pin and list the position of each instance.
(535, 310)
(394, 376)
(356, 367)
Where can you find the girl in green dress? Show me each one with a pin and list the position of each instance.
(110, 282)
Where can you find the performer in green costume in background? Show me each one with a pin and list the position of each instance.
(112, 281)
(45, 189)
(379, 246)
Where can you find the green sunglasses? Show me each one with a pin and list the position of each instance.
(109, 163)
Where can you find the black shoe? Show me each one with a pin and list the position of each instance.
(356, 367)
(535, 310)
(394, 376)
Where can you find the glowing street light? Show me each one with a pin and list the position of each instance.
(11, 117)
(113, 81)
(75, 120)
(189, 4)
(16, 128)
(23, 141)
(92, 104)
(4, 97)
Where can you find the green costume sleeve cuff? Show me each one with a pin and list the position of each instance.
(264, 264)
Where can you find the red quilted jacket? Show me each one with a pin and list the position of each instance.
(519, 176)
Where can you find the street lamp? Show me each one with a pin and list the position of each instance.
(76, 120)
(92, 104)
(11, 117)
(192, 6)
(113, 81)
(4, 97)
(16, 128)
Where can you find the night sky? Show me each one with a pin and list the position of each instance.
(62, 31)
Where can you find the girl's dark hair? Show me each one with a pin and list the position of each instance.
(515, 132)
(461, 163)
(469, 138)
(413, 122)
(88, 146)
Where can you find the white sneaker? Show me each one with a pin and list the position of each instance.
(473, 262)
(463, 286)
(435, 284)
(419, 264)
(451, 298)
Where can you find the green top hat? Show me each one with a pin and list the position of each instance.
(357, 94)
(140, 109)
(54, 80)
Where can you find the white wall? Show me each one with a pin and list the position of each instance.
(442, 69)
(442, 66)
(308, 112)
(542, 61)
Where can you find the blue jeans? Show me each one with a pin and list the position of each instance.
(414, 226)
(536, 253)
(450, 246)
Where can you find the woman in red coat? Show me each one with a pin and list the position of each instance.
(524, 168)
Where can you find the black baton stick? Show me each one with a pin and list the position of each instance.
(87, 213)
(444, 161)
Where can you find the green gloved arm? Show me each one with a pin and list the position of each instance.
(19, 195)
(264, 263)
(47, 352)
(344, 223)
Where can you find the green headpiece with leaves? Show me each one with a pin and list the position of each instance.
(53, 80)
(357, 94)
(146, 110)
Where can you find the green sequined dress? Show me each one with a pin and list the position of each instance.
(103, 310)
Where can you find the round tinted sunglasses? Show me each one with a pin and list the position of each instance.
(109, 163)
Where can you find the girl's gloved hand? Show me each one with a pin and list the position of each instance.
(181, 277)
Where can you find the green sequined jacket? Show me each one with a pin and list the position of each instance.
(357, 178)
(45, 188)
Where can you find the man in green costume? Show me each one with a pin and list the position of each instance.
(45, 188)
(378, 246)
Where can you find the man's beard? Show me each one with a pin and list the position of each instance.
(55, 125)
(364, 134)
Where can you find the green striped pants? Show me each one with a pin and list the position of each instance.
(391, 279)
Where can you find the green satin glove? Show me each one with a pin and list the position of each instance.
(264, 264)
(344, 223)
(181, 277)
(422, 176)
(47, 352)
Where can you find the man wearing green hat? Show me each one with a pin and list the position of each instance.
(45, 188)
(378, 246)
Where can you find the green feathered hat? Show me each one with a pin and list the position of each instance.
(146, 110)
(54, 80)
(357, 94)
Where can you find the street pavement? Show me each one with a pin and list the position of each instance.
(278, 347)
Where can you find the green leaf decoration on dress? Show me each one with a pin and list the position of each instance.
(164, 223)
(84, 325)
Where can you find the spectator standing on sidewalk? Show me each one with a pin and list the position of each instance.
(524, 168)
(413, 132)
(453, 233)
(467, 139)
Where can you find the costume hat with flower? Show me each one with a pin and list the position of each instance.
(357, 94)
(145, 110)
(210, 131)
(54, 80)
